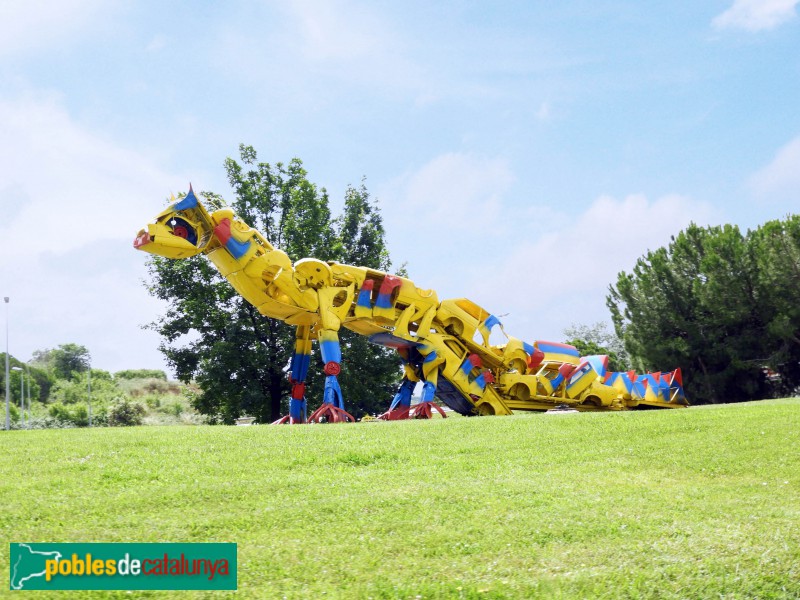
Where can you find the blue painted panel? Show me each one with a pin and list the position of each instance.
(331, 351)
(299, 366)
(481, 381)
(297, 409)
(384, 301)
(187, 202)
(430, 357)
(238, 249)
(365, 298)
(333, 393)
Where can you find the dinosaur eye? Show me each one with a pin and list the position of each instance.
(183, 229)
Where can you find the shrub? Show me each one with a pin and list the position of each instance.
(152, 400)
(126, 413)
(141, 374)
(76, 414)
(44, 423)
(140, 387)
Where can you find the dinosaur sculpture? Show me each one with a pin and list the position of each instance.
(443, 344)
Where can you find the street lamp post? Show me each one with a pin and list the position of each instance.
(8, 386)
(21, 393)
(89, 384)
(28, 367)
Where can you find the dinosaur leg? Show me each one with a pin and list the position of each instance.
(430, 375)
(426, 406)
(332, 409)
(297, 376)
(401, 404)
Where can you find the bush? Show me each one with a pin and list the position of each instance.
(140, 387)
(152, 400)
(71, 392)
(68, 392)
(77, 414)
(141, 374)
(44, 423)
(125, 413)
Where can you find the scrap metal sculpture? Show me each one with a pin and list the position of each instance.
(443, 344)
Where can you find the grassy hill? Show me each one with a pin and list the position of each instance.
(695, 503)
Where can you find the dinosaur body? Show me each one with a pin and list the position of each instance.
(444, 344)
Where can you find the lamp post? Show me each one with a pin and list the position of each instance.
(8, 386)
(89, 388)
(28, 367)
(21, 393)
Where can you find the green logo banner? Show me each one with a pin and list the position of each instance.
(123, 566)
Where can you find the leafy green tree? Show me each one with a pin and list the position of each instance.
(719, 304)
(591, 348)
(775, 251)
(211, 335)
(68, 360)
(597, 339)
(75, 390)
(37, 379)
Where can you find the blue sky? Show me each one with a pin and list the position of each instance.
(523, 152)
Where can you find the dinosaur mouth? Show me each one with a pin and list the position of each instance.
(142, 239)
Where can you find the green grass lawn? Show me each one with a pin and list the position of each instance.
(697, 503)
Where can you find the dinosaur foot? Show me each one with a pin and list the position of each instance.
(396, 414)
(328, 413)
(424, 410)
(287, 420)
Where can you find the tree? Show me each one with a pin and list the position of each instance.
(237, 356)
(68, 360)
(775, 250)
(38, 380)
(719, 304)
(597, 339)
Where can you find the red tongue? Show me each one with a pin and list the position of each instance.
(141, 239)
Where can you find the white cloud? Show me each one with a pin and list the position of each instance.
(462, 188)
(330, 32)
(594, 246)
(756, 15)
(43, 23)
(465, 232)
(562, 276)
(156, 44)
(441, 218)
(72, 203)
(70, 186)
(780, 179)
(320, 52)
(544, 112)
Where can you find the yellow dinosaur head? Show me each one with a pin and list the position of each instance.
(183, 229)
